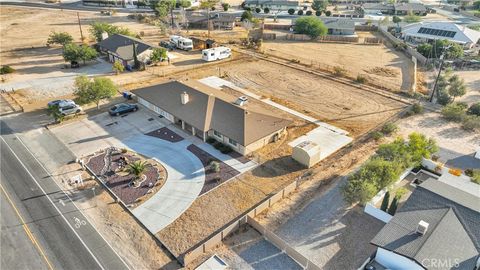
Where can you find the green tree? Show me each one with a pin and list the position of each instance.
(163, 7)
(158, 55)
(54, 112)
(397, 20)
(380, 172)
(61, 38)
(425, 49)
(318, 13)
(319, 5)
(328, 13)
(258, 10)
(183, 4)
(476, 5)
(474, 109)
(208, 5)
(386, 200)
(97, 28)
(246, 16)
(71, 52)
(300, 12)
(88, 91)
(291, 11)
(308, 13)
(225, 6)
(6, 70)
(86, 53)
(266, 10)
(311, 26)
(393, 206)
(421, 147)
(358, 190)
(412, 18)
(118, 67)
(456, 87)
(453, 112)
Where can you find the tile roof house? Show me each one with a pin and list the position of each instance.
(429, 31)
(206, 112)
(120, 48)
(438, 227)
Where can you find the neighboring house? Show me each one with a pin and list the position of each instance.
(394, 9)
(206, 112)
(438, 227)
(121, 48)
(430, 31)
(339, 26)
(224, 21)
(273, 5)
(407, 8)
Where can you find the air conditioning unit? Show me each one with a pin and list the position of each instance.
(422, 227)
(184, 97)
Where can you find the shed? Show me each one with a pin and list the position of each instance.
(307, 153)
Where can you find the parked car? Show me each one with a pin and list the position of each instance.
(60, 102)
(70, 109)
(122, 108)
(167, 45)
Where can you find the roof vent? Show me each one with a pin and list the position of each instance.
(184, 98)
(104, 35)
(241, 101)
(422, 227)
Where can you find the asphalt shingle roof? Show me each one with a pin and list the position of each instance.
(123, 45)
(454, 225)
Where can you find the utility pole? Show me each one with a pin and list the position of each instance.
(80, 26)
(439, 72)
(171, 14)
(208, 20)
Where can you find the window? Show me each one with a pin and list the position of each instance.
(218, 134)
(232, 142)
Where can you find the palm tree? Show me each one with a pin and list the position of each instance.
(137, 168)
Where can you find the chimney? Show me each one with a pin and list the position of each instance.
(104, 35)
(422, 227)
(184, 98)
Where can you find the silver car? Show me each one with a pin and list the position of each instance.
(70, 109)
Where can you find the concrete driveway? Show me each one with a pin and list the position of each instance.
(185, 172)
(184, 181)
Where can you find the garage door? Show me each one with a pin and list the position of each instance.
(156, 109)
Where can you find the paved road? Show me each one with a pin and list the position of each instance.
(64, 238)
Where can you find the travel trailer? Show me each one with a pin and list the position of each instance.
(182, 43)
(217, 53)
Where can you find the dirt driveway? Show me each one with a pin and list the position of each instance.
(381, 64)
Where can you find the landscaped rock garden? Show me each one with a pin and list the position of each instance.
(130, 176)
(216, 171)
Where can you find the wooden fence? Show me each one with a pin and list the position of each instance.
(322, 38)
(217, 237)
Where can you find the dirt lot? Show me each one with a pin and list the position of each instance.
(472, 81)
(382, 65)
(18, 24)
(341, 105)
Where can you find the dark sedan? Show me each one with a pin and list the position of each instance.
(122, 108)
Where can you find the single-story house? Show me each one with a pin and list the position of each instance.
(121, 48)
(338, 26)
(436, 228)
(429, 31)
(394, 9)
(206, 112)
(224, 21)
(273, 5)
(406, 8)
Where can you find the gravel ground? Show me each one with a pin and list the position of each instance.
(329, 233)
(165, 134)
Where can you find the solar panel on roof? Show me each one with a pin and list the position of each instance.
(436, 32)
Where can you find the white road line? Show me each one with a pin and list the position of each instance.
(56, 208)
(70, 199)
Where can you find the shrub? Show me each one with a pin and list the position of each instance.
(225, 6)
(214, 166)
(124, 150)
(417, 108)
(443, 97)
(300, 12)
(211, 140)
(258, 10)
(393, 207)
(318, 13)
(217, 145)
(328, 13)
(471, 122)
(361, 78)
(225, 149)
(474, 109)
(454, 112)
(476, 176)
(456, 172)
(389, 129)
(266, 10)
(308, 13)
(469, 172)
(247, 16)
(291, 11)
(400, 192)
(6, 70)
(377, 135)
(339, 71)
(386, 200)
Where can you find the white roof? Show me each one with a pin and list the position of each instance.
(462, 35)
